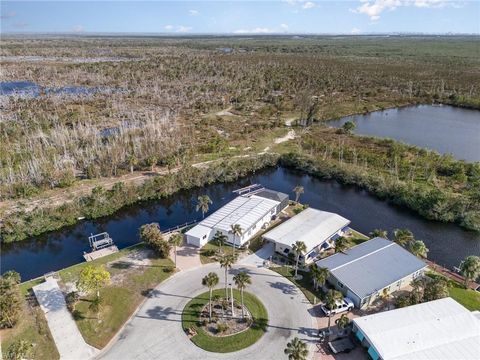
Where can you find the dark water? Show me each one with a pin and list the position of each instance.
(448, 243)
(31, 89)
(445, 129)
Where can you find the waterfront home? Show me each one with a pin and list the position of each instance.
(372, 269)
(317, 229)
(439, 329)
(252, 212)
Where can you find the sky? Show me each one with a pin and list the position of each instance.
(242, 17)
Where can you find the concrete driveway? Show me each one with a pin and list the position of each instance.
(155, 332)
(257, 259)
(67, 337)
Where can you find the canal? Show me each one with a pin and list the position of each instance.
(448, 243)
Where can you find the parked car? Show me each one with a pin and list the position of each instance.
(341, 345)
(344, 305)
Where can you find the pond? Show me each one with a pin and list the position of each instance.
(445, 129)
(448, 243)
(31, 89)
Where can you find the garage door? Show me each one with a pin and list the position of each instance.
(192, 240)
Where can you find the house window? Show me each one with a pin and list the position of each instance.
(204, 237)
(340, 284)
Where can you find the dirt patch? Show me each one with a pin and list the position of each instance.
(290, 136)
(136, 261)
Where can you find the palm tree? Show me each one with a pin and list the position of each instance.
(175, 239)
(331, 301)
(341, 244)
(299, 248)
(227, 261)
(322, 276)
(379, 233)
(314, 269)
(298, 190)
(210, 281)
(235, 230)
(220, 238)
(203, 202)
(342, 322)
(403, 236)
(296, 350)
(418, 248)
(470, 268)
(242, 280)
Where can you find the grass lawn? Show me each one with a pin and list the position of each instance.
(208, 253)
(191, 314)
(119, 300)
(467, 297)
(305, 284)
(31, 327)
(457, 291)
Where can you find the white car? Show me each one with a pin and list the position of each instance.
(344, 305)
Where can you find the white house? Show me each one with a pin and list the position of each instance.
(436, 330)
(372, 269)
(252, 213)
(317, 229)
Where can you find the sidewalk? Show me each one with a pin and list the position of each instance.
(67, 337)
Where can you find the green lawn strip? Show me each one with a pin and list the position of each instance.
(467, 297)
(457, 291)
(305, 284)
(118, 302)
(191, 314)
(33, 328)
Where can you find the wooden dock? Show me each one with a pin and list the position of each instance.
(97, 254)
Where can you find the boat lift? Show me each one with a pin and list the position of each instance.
(100, 241)
(249, 190)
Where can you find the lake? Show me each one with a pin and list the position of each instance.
(448, 243)
(445, 129)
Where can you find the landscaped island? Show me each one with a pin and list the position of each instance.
(225, 333)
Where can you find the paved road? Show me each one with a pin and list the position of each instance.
(155, 332)
(69, 341)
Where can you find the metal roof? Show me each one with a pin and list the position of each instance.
(243, 210)
(372, 266)
(198, 231)
(311, 226)
(439, 329)
(272, 195)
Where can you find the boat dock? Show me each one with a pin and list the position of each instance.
(101, 245)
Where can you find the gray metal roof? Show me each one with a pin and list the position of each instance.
(272, 195)
(311, 226)
(372, 266)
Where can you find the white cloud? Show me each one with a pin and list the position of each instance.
(308, 5)
(431, 3)
(303, 3)
(168, 27)
(284, 26)
(183, 29)
(373, 8)
(193, 12)
(355, 31)
(78, 29)
(257, 30)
